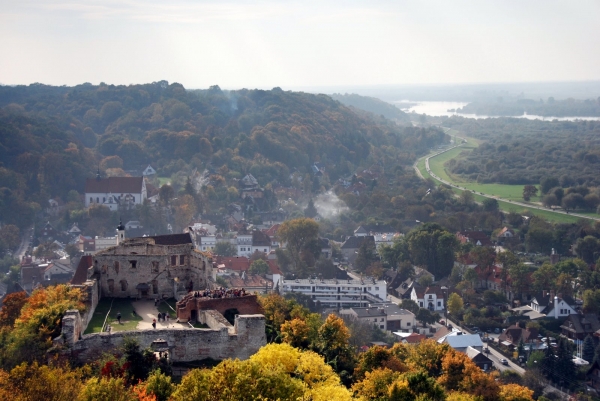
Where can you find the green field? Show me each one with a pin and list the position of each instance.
(129, 319)
(509, 192)
(164, 180)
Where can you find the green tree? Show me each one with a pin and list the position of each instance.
(547, 183)
(455, 304)
(490, 205)
(519, 275)
(298, 235)
(529, 191)
(433, 247)
(224, 248)
(409, 305)
(425, 316)
(588, 349)
(544, 278)
(259, 266)
(366, 255)
(311, 210)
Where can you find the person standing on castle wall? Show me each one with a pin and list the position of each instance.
(154, 323)
(119, 317)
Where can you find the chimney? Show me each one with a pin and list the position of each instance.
(556, 307)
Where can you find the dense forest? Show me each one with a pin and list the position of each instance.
(518, 151)
(372, 105)
(549, 108)
(52, 138)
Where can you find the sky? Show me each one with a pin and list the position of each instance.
(295, 44)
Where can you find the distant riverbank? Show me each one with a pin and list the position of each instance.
(440, 109)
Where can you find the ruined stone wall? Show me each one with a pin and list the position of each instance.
(247, 305)
(186, 345)
(122, 268)
(92, 289)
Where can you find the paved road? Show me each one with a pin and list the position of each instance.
(25, 241)
(434, 176)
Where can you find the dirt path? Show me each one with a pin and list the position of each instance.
(147, 311)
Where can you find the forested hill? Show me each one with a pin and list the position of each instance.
(372, 105)
(52, 138)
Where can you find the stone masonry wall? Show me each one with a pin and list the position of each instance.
(185, 345)
(247, 305)
(153, 268)
(92, 289)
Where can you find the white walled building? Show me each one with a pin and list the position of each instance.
(339, 293)
(431, 298)
(115, 192)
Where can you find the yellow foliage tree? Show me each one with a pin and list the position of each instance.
(375, 385)
(515, 392)
(106, 389)
(40, 382)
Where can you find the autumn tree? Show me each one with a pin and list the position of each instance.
(11, 308)
(455, 304)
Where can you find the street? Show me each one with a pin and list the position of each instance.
(25, 241)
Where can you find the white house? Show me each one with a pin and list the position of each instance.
(132, 224)
(115, 192)
(371, 315)
(148, 171)
(207, 242)
(431, 298)
(553, 306)
(339, 293)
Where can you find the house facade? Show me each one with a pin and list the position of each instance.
(115, 192)
(553, 306)
(431, 297)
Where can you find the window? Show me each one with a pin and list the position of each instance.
(375, 319)
(155, 267)
(133, 263)
(382, 319)
(154, 286)
(133, 198)
(97, 199)
(173, 260)
(439, 303)
(123, 285)
(111, 285)
(91, 200)
(116, 266)
(430, 296)
(182, 259)
(104, 199)
(421, 304)
(381, 326)
(407, 324)
(376, 288)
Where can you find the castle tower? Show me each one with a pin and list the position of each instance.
(120, 233)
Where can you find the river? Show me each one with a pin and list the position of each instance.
(439, 109)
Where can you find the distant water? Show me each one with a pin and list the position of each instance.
(439, 109)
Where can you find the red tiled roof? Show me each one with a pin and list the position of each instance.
(273, 230)
(237, 263)
(415, 338)
(115, 185)
(81, 273)
(274, 267)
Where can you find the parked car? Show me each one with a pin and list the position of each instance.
(442, 322)
(497, 330)
(503, 361)
(486, 350)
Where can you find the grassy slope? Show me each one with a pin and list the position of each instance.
(128, 318)
(511, 192)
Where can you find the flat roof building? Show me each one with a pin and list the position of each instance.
(338, 293)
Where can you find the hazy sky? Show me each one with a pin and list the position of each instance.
(295, 44)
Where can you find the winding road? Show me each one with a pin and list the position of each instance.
(527, 205)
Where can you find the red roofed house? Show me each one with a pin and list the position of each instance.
(477, 238)
(115, 192)
(431, 298)
(413, 338)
